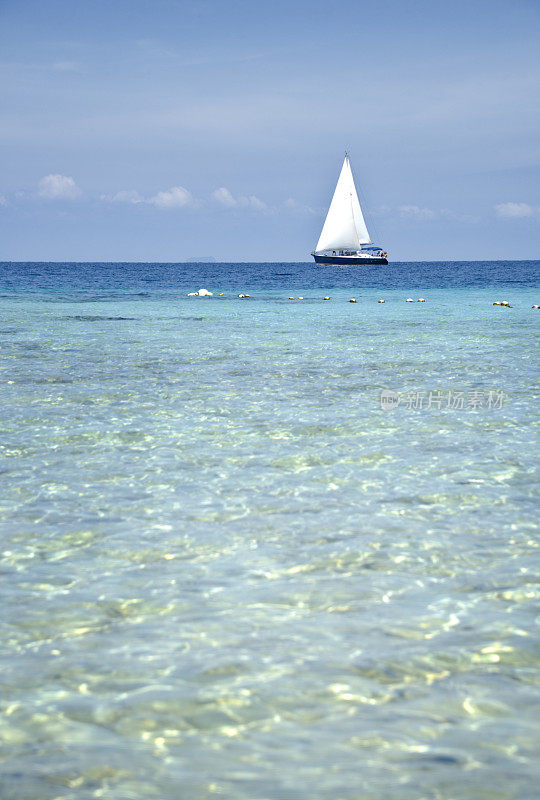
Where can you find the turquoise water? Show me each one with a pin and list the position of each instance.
(228, 572)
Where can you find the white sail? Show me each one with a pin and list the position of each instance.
(344, 227)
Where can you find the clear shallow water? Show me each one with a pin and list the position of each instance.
(227, 572)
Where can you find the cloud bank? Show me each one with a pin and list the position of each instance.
(63, 187)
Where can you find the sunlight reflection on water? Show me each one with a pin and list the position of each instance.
(227, 571)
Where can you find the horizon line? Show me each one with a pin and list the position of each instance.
(237, 261)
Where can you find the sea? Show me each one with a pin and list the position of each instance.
(275, 547)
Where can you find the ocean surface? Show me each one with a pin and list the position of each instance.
(230, 570)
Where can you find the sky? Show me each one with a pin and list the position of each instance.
(173, 130)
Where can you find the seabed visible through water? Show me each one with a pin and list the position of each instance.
(230, 570)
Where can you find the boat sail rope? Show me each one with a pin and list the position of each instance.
(345, 237)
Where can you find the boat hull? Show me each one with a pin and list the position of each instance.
(351, 261)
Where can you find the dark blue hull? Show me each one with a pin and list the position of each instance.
(350, 260)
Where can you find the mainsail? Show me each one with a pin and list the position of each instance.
(344, 227)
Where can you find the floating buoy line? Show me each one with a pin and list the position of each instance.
(243, 295)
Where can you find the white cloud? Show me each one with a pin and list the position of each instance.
(224, 197)
(58, 187)
(176, 197)
(3, 200)
(415, 212)
(253, 202)
(124, 196)
(515, 210)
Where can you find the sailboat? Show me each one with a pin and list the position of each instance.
(344, 238)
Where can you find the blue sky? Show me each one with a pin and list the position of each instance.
(163, 130)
